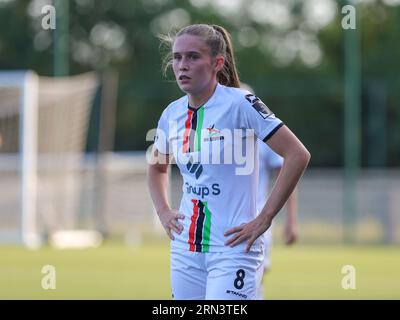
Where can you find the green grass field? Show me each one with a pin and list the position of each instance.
(119, 272)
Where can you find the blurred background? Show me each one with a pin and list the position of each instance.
(81, 89)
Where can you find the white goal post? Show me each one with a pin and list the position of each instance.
(27, 83)
(43, 129)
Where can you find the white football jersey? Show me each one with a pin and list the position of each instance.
(216, 150)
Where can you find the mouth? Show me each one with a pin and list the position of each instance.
(183, 77)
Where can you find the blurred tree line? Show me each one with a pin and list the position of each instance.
(290, 52)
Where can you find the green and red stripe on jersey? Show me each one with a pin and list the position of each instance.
(192, 133)
(200, 226)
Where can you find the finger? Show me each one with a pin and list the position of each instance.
(179, 226)
(180, 216)
(231, 240)
(175, 227)
(233, 230)
(250, 243)
(238, 240)
(169, 233)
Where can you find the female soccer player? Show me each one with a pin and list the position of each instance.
(212, 132)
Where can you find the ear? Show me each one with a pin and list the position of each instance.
(219, 63)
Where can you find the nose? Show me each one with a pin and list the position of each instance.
(183, 65)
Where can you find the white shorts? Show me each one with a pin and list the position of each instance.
(267, 248)
(215, 275)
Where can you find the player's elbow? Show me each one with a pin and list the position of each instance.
(304, 157)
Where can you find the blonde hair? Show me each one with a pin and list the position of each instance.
(218, 40)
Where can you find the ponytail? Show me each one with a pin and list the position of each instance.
(228, 76)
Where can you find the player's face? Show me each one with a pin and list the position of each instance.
(195, 70)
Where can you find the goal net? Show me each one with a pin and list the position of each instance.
(43, 130)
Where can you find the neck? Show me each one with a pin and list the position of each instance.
(198, 100)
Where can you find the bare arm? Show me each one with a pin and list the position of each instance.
(296, 158)
(157, 179)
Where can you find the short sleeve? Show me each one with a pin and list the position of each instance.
(257, 116)
(162, 135)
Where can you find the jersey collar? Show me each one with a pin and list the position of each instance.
(209, 101)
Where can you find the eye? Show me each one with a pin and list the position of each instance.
(177, 56)
(193, 56)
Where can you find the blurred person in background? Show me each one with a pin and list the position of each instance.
(270, 164)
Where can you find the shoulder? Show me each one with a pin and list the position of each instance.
(175, 106)
(241, 96)
(245, 101)
(235, 97)
(238, 95)
(253, 103)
